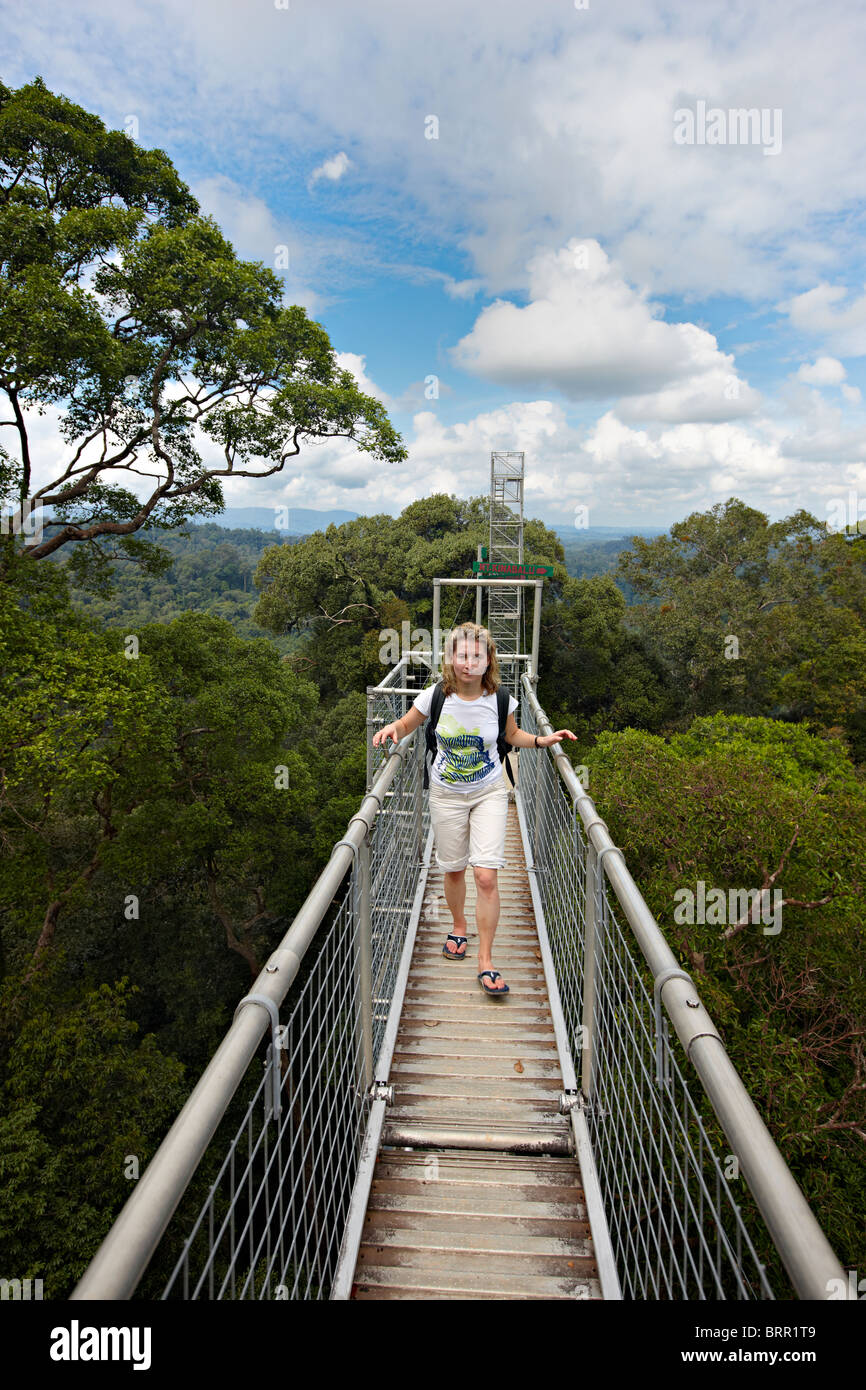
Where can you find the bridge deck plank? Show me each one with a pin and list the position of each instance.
(464, 1223)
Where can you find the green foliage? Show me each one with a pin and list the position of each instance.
(790, 595)
(147, 838)
(741, 803)
(584, 559)
(790, 752)
(208, 568)
(343, 730)
(81, 1095)
(148, 834)
(344, 588)
(592, 668)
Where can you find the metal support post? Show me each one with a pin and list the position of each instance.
(418, 792)
(662, 1068)
(366, 960)
(277, 1040)
(594, 902)
(590, 879)
(536, 810)
(536, 632)
(437, 602)
(369, 731)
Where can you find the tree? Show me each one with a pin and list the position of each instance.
(751, 617)
(593, 671)
(117, 769)
(344, 587)
(84, 1103)
(129, 313)
(236, 811)
(825, 679)
(83, 736)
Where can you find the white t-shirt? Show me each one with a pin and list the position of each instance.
(466, 735)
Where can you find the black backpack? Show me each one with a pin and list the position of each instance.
(432, 746)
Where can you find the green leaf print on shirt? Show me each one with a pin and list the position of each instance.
(465, 757)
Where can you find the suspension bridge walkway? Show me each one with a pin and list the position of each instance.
(372, 1126)
(476, 1192)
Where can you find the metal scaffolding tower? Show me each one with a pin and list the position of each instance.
(504, 604)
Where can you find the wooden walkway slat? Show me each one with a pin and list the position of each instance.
(447, 1223)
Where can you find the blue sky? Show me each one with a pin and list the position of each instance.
(658, 324)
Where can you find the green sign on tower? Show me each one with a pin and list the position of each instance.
(506, 571)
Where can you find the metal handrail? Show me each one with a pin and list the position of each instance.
(378, 890)
(802, 1245)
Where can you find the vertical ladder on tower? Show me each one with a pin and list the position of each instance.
(505, 605)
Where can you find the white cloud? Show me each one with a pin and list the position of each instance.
(426, 275)
(826, 371)
(620, 472)
(715, 394)
(686, 462)
(357, 364)
(820, 312)
(588, 334)
(455, 289)
(332, 169)
(826, 440)
(453, 459)
(554, 123)
(552, 120)
(829, 371)
(256, 234)
(461, 289)
(245, 220)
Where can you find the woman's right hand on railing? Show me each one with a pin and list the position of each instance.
(389, 731)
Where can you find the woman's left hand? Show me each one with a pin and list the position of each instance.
(545, 740)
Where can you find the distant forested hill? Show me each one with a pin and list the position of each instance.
(212, 572)
(583, 559)
(213, 568)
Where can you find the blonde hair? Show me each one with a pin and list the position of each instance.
(471, 632)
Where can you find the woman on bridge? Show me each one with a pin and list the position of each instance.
(468, 791)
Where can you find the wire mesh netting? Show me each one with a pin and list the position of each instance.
(272, 1222)
(676, 1230)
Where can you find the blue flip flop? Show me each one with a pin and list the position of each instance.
(494, 976)
(454, 955)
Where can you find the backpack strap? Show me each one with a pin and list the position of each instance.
(431, 746)
(503, 748)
